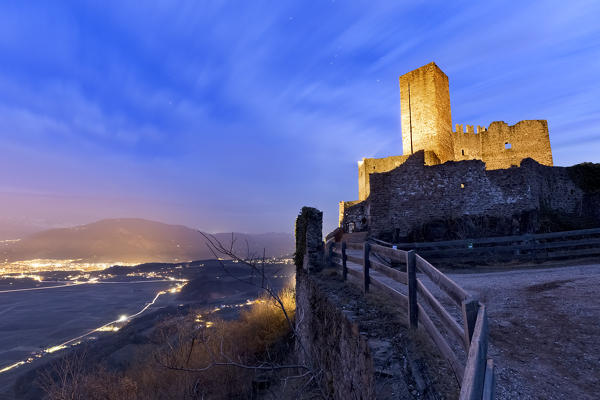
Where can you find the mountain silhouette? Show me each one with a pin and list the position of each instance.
(138, 240)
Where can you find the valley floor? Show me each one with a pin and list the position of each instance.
(36, 317)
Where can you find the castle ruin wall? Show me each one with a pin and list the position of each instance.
(503, 146)
(373, 165)
(344, 206)
(427, 135)
(467, 146)
(407, 197)
(425, 112)
(377, 165)
(488, 202)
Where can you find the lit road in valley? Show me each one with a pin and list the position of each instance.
(92, 301)
(111, 326)
(43, 288)
(86, 283)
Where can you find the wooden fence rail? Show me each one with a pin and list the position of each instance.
(528, 247)
(476, 377)
(496, 240)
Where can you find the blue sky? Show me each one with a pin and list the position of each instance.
(233, 115)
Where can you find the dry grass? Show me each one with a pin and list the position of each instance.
(194, 359)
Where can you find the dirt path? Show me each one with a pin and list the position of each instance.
(544, 330)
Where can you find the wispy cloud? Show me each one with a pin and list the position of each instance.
(235, 115)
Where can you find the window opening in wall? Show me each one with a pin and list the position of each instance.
(462, 185)
(507, 146)
(463, 152)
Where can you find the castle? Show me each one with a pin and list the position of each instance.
(427, 126)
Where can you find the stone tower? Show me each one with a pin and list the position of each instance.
(425, 107)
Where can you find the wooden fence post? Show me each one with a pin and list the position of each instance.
(475, 370)
(489, 382)
(366, 266)
(330, 253)
(413, 309)
(530, 246)
(344, 259)
(470, 307)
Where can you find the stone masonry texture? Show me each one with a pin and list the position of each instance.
(414, 200)
(427, 126)
(332, 342)
(309, 239)
(425, 110)
(375, 165)
(503, 146)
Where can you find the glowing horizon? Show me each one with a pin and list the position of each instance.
(167, 113)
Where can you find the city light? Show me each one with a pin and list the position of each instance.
(85, 274)
(15, 365)
(55, 348)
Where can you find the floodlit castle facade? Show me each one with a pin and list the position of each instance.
(473, 183)
(427, 125)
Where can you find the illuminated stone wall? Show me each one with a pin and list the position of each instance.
(503, 146)
(343, 206)
(377, 165)
(464, 199)
(425, 111)
(467, 144)
(374, 165)
(427, 126)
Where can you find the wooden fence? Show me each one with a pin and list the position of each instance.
(524, 248)
(476, 376)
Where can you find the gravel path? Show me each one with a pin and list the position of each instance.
(544, 330)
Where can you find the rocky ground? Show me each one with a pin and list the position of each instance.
(406, 365)
(544, 327)
(544, 330)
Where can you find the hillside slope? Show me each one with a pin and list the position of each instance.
(138, 240)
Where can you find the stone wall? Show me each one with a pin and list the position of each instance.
(427, 125)
(500, 146)
(343, 206)
(526, 139)
(333, 342)
(327, 339)
(467, 145)
(355, 217)
(503, 146)
(359, 343)
(376, 165)
(309, 238)
(369, 166)
(462, 199)
(425, 112)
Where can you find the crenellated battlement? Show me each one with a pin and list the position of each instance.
(469, 129)
(502, 145)
(427, 125)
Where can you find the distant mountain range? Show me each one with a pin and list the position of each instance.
(138, 240)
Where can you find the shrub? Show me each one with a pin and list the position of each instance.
(190, 359)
